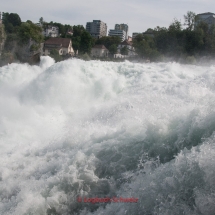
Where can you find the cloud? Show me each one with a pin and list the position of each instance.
(139, 15)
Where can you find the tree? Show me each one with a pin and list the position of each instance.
(113, 49)
(124, 50)
(54, 53)
(14, 19)
(41, 20)
(81, 40)
(28, 31)
(189, 20)
(108, 41)
(86, 42)
(175, 26)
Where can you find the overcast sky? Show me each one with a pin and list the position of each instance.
(138, 14)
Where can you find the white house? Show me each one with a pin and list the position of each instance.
(51, 31)
(63, 45)
(99, 51)
(128, 45)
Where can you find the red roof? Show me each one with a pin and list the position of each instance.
(126, 42)
(64, 42)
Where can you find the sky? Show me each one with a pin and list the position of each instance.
(138, 14)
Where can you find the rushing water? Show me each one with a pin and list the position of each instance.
(76, 129)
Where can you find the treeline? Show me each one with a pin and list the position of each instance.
(22, 38)
(178, 43)
(25, 38)
(172, 43)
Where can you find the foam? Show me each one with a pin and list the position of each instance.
(77, 128)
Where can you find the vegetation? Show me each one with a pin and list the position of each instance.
(124, 51)
(54, 53)
(108, 41)
(176, 43)
(11, 22)
(29, 31)
(85, 57)
(113, 49)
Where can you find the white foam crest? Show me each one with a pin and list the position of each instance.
(184, 186)
(78, 128)
(46, 62)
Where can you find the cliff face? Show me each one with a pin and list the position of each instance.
(13, 51)
(2, 37)
(24, 53)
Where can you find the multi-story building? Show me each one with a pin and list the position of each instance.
(123, 27)
(121, 30)
(119, 33)
(97, 28)
(208, 18)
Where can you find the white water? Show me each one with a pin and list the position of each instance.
(102, 129)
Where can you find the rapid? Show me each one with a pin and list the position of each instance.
(85, 129)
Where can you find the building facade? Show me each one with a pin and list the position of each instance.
(63, 45)
(120, 30)
(123, 27)
(97, 28)
(129, 47)
(51, 31)
(99, 51)
(118, 33)
(208, 18)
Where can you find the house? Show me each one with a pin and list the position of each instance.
(120, 56)
(63, 45)
(99, 51)
(128, 45)
(51, 31)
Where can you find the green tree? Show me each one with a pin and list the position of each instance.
(86, 57)
(54, 53)
(108, 41)
(145, 46)
(41, 20)
(14, 19)
(194, 42)
(113, 49)
(81, 40)
(189, 20)
(175, 26)
(124, 50)
(86, 42)
(28, 31)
